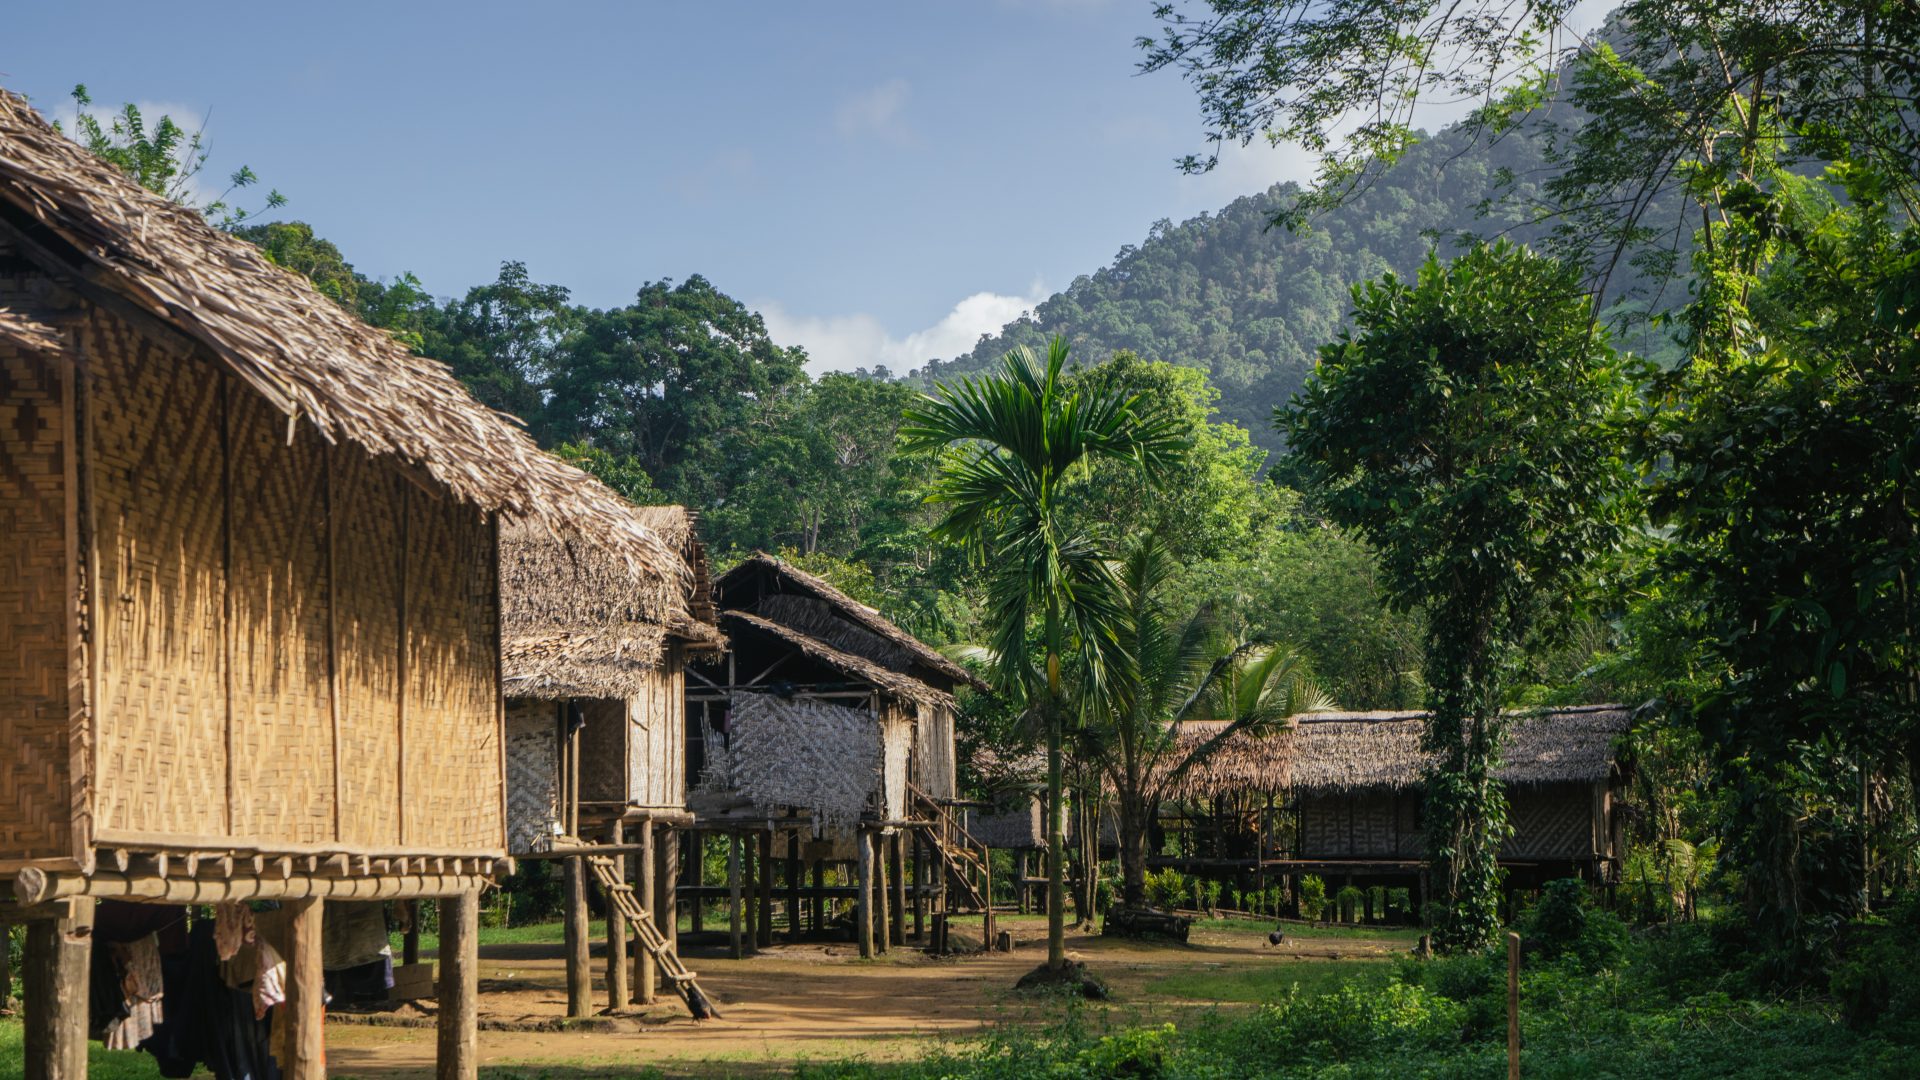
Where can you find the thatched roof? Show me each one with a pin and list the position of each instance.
(1336, 753)
(295, 347)
(811, 606)
(577, 621)
(23, 330)
(903, 687)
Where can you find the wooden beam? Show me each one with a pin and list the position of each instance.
(863, 902)
(793, 885)
(305, 1010)
(54, 976)
(666, 909)
(35, 886)
(764, 864)
(458, 1056)
(579, 971)
(733, 895)
(897, 876)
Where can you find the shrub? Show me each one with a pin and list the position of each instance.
(1136, 1052)
(1313, 896)
(1164, 888)
(1355, 1023)
(1566, 924)
(1477, 982)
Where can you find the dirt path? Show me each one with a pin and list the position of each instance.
(801, 1002)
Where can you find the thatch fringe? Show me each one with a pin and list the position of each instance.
(295, 347)
(872, 636)
(1341, 753)
(577, 621)
(902, 687)
(19, 329)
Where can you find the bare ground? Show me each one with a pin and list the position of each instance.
(808, 1002)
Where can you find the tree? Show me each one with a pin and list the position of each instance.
(1176, 669)
(1471, 427)
(165, 159)
(504, 340)
(1015, 438)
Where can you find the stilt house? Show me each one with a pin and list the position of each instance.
(594, 655)
(251, 606)
(828, 723)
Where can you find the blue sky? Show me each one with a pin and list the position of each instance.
(885, 181)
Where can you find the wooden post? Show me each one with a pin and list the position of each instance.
(695, 873)
(1021, 877)
(619, 993)
(733, 896)
(459, 987)
(750, 894)
(764, 938)
(1513, 1006)
(6, 968)
(819, 905)
(793, 885)
(666, 850)
(410, 941)
(986, 895)
(305, 1010)
(897, 851)
(579, 971)
(919, 887)
(863, 894)
(644, 977)
(882, 898)
(53, 976)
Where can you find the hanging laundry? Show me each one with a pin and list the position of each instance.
(142, 989)
(232, 928)
(270, 984)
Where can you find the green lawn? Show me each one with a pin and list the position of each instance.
(102, 1063)
(1254, 985)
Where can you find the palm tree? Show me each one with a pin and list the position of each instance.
(1178, 670)
(1016, 438)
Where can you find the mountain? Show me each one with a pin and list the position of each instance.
(1248, 302)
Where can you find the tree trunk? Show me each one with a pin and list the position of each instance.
(1056, 852)
(1133, 851)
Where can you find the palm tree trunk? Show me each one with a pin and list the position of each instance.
(1133, 851)
(1056, 851)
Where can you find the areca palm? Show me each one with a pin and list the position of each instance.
(1016, 438)
(1183, 669)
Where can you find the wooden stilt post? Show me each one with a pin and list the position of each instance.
(733, 896)
(53, 976)
(695, 874)
(574, 932)
(410, 941)
(644, 975)
(897, 874)
(882, 895)
(305, 1010)
(459, 987)
(750, 893)
(6, 968)
(619, 992)
(1020, 888)
(863, 894)
(666, 910)
(1513, 1006)
(919, 887)
(819, 905)
(793, 885)
(764, 939)
(986, 897)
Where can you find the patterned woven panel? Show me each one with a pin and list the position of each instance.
(34, 817)
(366, 505)
(452, 780)
(657, 737)
(282, 721)
(533, 774)
(1361, 825)
(1554, 821)
(603, 751)
(158, 475)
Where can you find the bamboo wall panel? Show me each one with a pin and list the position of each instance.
(1550, 821)
(282, 726)
(452, 782)
(1364, 824)
(603, 751)
(657, 734)
(157, 486)
(933, 764)
(896, 728)
(34, 816)
(533, 773)
(367, 501)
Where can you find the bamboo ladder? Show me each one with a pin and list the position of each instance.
(620, 896)
(963, 857)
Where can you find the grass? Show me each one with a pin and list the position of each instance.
(102, 1063)
(1254, 985)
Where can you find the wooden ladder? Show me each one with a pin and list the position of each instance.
(965, 867)
(620, 897)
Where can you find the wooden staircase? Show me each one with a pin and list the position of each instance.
(620, 897)
(964, 858)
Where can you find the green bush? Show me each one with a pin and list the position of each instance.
(1164, 888)
(1565, 924)
(1313, 896)
(1356, 1023)
(1877, 979)
(1136, 1052)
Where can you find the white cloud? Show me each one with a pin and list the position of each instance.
(878, 112)
(845, 342)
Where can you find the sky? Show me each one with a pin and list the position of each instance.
(883, 181)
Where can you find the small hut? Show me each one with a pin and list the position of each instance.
(594, 653)
(252, 612)
(829, 724)
(1340, 795)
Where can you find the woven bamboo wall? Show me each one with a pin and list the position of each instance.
(533, 773)
(35, 820)
(603, 751)
(933, 764)
(657, 737)
(896, 728)
(1550, 821)
(1365, 824)
(454, 793)
(299, 645)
